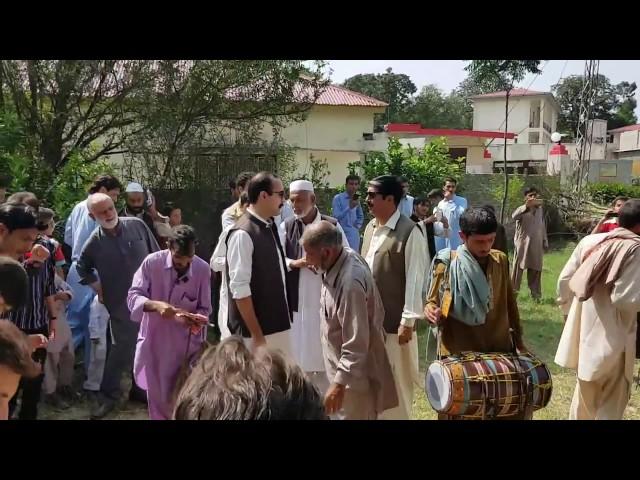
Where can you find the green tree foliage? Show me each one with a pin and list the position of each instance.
(614, 103)
(433, 109)
(394, 88)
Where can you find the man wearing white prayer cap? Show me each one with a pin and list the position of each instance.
(305, 284)
(136, 200)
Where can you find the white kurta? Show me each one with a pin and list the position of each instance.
(599, 330)
(305, 330)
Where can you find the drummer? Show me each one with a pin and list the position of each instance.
(474, 303)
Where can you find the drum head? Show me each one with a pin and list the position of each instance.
(438, 387)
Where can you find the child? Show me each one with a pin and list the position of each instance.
(46, 217)
(58, 370)
(98, 321)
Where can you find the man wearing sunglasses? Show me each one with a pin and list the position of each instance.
(256, 268)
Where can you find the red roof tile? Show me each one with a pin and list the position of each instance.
(442, 132)
(628, 128)
(336, 95)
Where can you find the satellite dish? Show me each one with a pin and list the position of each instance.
(556, 137)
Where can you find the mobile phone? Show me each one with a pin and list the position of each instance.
(356, 196)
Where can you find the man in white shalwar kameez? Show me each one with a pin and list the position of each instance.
(599, 291)
(305, 284)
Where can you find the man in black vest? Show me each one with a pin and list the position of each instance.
(304, 284)
(256, 269)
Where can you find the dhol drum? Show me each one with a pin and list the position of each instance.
(487, 385)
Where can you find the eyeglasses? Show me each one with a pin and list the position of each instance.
(372, 194)
(280, 193)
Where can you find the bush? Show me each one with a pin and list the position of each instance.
(604, 193)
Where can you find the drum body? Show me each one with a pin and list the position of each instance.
(487, 385)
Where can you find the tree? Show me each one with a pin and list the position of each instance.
(625, 115)
(394, 88)
(425, 168)
(505, 74)
(198, 106)
(67, 105)
(433, 109)
(614, 103)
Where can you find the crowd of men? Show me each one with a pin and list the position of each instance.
(317, 313)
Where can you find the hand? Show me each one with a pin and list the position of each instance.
(194, 321)
(334, 398)
(61, 296)
(545, 245)
(39, 253)
(300, 263)
(166, 310)
(404, 334)
(101, 298)
(445, 222)
(433, 314)
(522, 350)
(258, 342)
(353, 203)
(431, 219)
(52, 329)
(95, 341)
(38, 341)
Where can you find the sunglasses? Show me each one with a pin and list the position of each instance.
(372, 194)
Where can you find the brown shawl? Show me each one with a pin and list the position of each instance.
(604, 262)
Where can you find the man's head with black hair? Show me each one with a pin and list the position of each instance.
(14, 288)
(182, 245)
(383, 196)
(18, 229)
(629, 215)
(478, 228)
(107, 184)
(27, 198)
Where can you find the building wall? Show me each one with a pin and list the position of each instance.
(630, 141)
(488, 114)
(337, 163)
(330, 128)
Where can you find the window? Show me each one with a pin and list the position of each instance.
(608, 170)
(534, 137)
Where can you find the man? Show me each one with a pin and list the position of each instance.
(14, 284)
(37, 317)
(396, 251)
(217, 263)
(599, 293)
(435, 196)
(108, 261)
(15, 359)
(530, 242)
(304, 283)
(428, 224)
(500, 242)
(168, 287)
(362, 384)
(406, 202)
(135, 203)
(483, 312)
(347, 209)
(258, 308)
(234, 212)
(265, 387)
(609, 221)
(78, 229)
(452, 206)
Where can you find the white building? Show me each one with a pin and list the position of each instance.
(533, 116)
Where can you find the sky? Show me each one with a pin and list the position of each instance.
(447, 74)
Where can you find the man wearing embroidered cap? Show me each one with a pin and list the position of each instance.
(135, 207)
(304, 284)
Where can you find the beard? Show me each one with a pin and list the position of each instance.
(303, 214)
(137, 210)
(110, 224)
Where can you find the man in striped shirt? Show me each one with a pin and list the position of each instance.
(37, 315)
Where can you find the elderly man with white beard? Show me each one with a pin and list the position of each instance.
(114, 251)
(304, 283)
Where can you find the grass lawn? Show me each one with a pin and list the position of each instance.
(542, 326)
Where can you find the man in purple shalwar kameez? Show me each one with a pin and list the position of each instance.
(168, 284)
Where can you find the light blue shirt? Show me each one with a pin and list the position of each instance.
(351, 219)
(452, 210)
(78, 229)
(406, 206)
